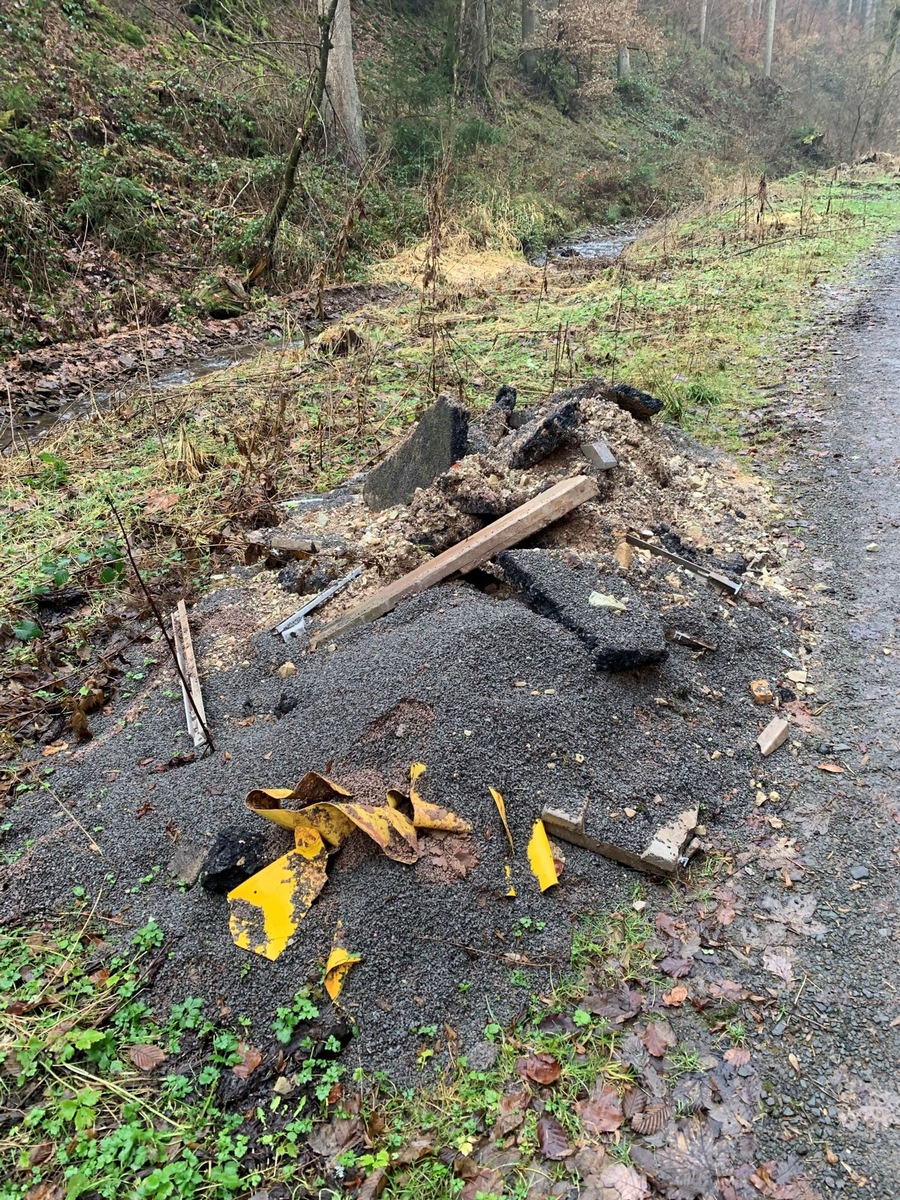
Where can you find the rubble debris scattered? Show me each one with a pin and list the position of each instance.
(639, 404)
(599, 455)
(538, 513)
(774, 735)
(621, 636)
(761, 691)
(679, 638)
(438, 441)
(714, 578)
(493, 425)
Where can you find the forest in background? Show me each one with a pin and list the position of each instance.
(143, 146)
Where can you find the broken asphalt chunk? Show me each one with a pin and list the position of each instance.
(560, 586)
(542, 435)
(639, 404)
(437, 442)
(234, 856)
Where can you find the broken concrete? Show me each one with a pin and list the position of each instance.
(438, 441)
(640, 404)
(559, 586)
(661, 852)
(494, 425)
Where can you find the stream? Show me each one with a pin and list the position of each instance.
(603, 243)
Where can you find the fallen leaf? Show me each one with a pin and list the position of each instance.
(778, 964)
(737, 1056)
(653, 1119)
(414, 1150)
(45, 1191)
(602, 1111)
(40, 1153)
(147, 1058)
(373, 1185)
(540, 857)
(676, 997)
(552, 1139)
(658, 1037)
(501, 809)
(619, 1182)
(542, 1068)
(334, 1137)
(831, 768)
(795, 1062)
(158, 502)
(512, 1109)
(250, 1060)
(675, 966)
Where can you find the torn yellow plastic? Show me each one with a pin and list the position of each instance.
(339, 963)
(267, 909)
(510, 891)
(393, 832)
(540, 856)
(431, 816)
(501, 809)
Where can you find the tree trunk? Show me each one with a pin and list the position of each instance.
(342, 110)
(623, 65)
(304, 136)
(528, 57)
(770, 38)
(703, 8)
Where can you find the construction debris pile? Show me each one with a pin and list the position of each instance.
(559, 610)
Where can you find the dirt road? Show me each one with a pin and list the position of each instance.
(835, 1050)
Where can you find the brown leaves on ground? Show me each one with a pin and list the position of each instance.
(250, 1060)
(147, 1058)
(658, 1037)
(540, 1068)
(340, 1134)
(617, 1182)
(552, 1140)
(512, 1108)
(676, 997)
(737, 1056)
(778, 964)
(45, 1191)
(602, 1111)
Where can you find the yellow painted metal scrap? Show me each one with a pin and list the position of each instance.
(540, 856)
(266, 910)
(431, 816)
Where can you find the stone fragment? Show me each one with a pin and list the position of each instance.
(774, 735)
(493, 425)
(859, 873)
(438, 441)
(187, 861)
(761, 691)
(539, 437)
(599, 455)
(559, 587)
(234, 856)
(660, 854)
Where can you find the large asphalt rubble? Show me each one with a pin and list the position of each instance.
(510, 662)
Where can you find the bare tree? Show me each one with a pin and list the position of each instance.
(770, 38)
(342, 110)
(703, 10)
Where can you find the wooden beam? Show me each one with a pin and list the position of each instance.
(523, 521)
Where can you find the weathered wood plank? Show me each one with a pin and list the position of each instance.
(184, 648)
(523, 521)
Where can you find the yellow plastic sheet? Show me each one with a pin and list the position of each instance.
(431, 816)
(340, 960)
(540, 856)
(501, 809)
(266, 910)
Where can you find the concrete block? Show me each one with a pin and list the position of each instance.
(438, 441)
(599, 455)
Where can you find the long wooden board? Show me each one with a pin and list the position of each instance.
(523, 521)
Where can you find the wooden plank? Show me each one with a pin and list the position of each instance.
(523, 521)
(184, 648)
